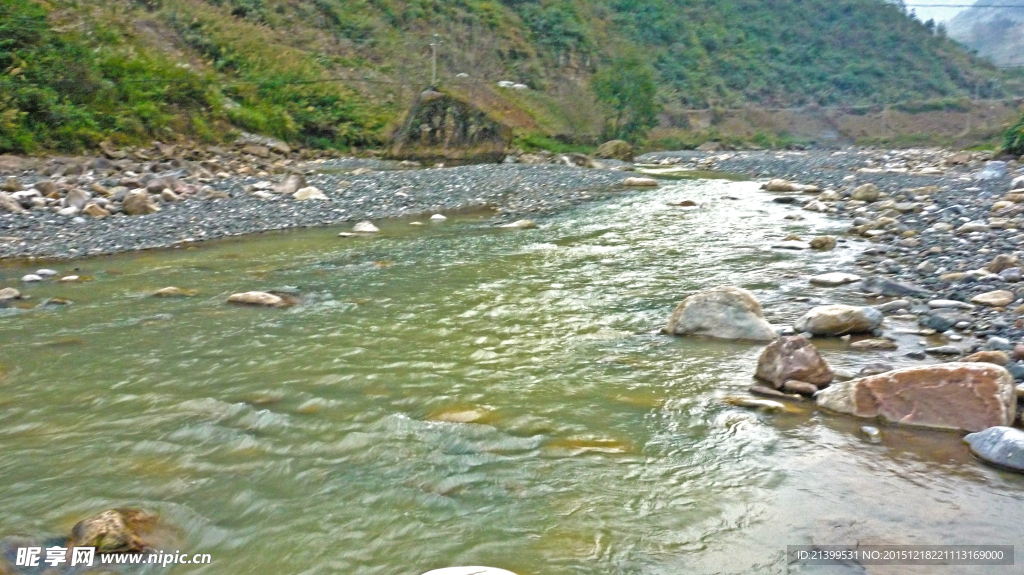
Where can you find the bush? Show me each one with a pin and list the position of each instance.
(1014, 141)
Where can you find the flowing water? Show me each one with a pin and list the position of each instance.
(456, 394)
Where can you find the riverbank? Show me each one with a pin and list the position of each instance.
(187, 204)
(945, 228)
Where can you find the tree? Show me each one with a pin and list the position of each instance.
(628, 88)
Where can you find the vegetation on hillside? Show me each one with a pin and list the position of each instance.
(342, 72)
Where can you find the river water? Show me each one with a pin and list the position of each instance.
(456, 394)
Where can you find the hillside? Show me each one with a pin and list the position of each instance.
(342, 72)
(994, 28)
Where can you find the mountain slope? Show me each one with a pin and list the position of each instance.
(343, 72)
(995, 28)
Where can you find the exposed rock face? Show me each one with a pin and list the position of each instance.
(615, 150)
(833, 320)
(1001, 446)
(723, 312)
(958, 396)
(114, 531)
(790, 358)
(445, 127)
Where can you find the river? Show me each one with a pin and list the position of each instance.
(458, 394)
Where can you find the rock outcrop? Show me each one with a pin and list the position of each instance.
(442, 126)
(793, 358)
(723, 312)
(957, 396)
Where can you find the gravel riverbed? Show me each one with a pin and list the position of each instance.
(945, 234)
(233, 209)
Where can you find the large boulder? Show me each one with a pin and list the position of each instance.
(1000, 446)
(615, 150)
(139, 203)
(723, 312)
(116, 531)
(9, 204)
(833, 320)
(291, 184)
(793, 358)
(958, 396)
(865, 193)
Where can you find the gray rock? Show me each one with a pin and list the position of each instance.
(895, 305)
(77, 198)
(949, 304)
(871, 434)
(9, 204)
(29, 278)
(992, 171)
(835, 320)
(888, 287)
(834, 279)
(944, 350)
(723, 312)
(1000, 446)
(939, 322)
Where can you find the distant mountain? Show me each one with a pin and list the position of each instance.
(995, 28)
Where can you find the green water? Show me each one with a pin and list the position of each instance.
(453, 394)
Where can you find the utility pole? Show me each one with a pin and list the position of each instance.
(433, 68)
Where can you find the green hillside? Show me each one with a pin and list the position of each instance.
(341, 73)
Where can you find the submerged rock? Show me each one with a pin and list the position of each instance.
(258, 298)
(723, 312)
(1002, 446)
(793, 358)
(834, 279)
(469, 571)
(115, 531)
(834, 320)
(957, 396)
(174, 292)
(877, 344)
(520, 225)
